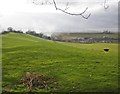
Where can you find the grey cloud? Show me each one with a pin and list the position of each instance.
(60, 22)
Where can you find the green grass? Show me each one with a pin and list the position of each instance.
(76, 67)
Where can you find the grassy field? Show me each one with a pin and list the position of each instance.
(75, 67)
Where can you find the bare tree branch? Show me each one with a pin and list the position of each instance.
(67, 6)
(76, 14)
(105, 6)
(44, 2)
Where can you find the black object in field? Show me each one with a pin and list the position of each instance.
(106, 49)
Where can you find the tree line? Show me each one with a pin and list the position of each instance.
(30, 32)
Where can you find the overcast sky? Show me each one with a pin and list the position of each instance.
(24, 15)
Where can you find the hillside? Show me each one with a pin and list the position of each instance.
(75, 67)
(91, 37)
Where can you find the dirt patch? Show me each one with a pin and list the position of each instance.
(35, 81)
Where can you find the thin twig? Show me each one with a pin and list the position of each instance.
(67, 6)
(105, 6)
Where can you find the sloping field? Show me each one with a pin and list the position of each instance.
(75, 67)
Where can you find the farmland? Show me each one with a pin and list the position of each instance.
(85, 37)
(75, 67)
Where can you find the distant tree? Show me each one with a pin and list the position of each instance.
(31, 32)
(40, 35)
(49, 38)
(4, 32)
(10, 29)
(46, 37)
(106, 32)
(19, 31)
